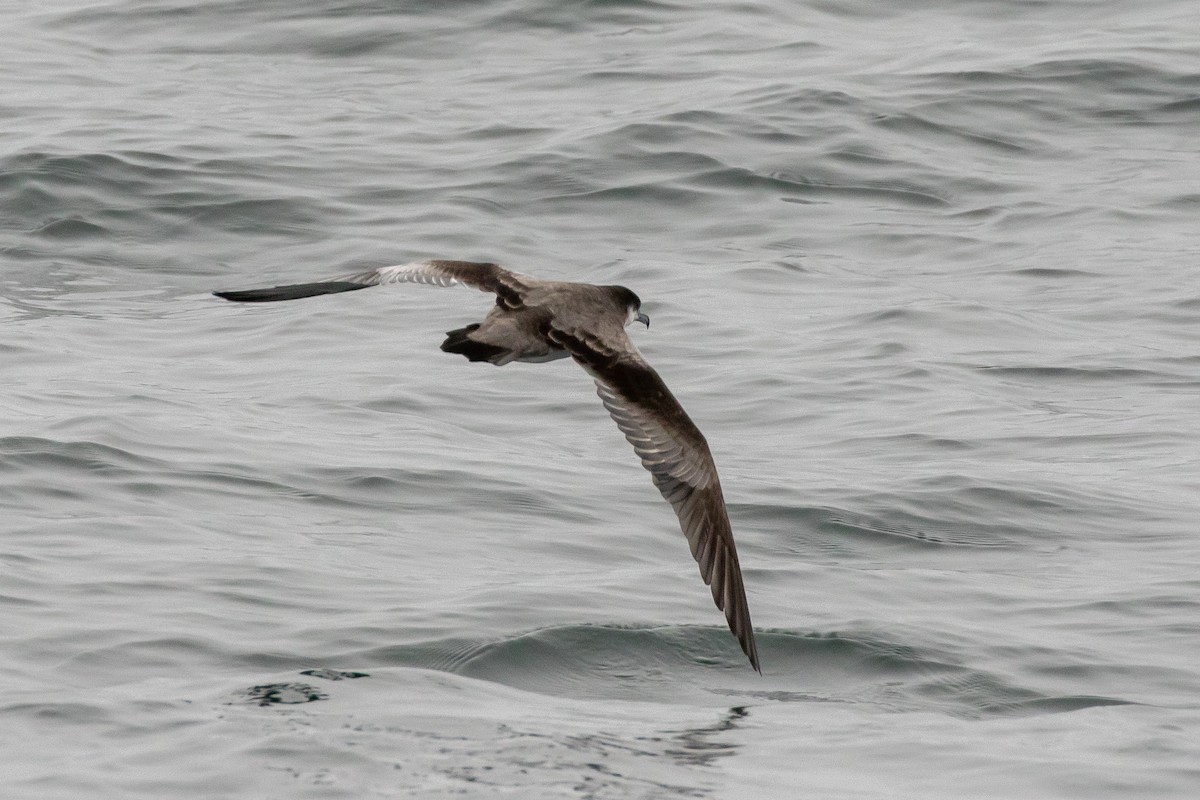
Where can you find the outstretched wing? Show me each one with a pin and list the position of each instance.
(676, 454)
(509, 287)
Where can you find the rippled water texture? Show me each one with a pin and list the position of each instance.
(924, 273)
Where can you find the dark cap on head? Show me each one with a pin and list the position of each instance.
(625, 297)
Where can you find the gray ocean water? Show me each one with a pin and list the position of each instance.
(926, 274)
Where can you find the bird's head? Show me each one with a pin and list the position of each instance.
(632, 304)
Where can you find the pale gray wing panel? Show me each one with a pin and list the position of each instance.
(509, 287)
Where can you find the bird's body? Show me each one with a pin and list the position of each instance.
(535, 321)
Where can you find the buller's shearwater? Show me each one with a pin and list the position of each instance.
(536, 320)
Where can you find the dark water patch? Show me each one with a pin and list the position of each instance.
(1049, 705)
(551, 175)
(493, 208)
(242, 482)
(182, 26)
(1053, 273)
(845, 532)
(1004, 514)
(72, 713)
(71, 228)
(1187, 303)
(335, 29)
(279, 694)
(1183, 605)
(583, 660)
(636, 75)
(588, 168)
(1181, 203)
(998, 114)
(808, 187)
(82, 472)
(665, 136)
(585, 14)
(12, 601)
(652, 193)
(1182, 112)
(977, 695)
(575, 656)
(367, 35)
(924, 129)
(1098, 76)
(863, 667)
(118, 651)
(405, 489)
(29, 452)
(1047, 92)
(917, 441)
(767, 131)
(856, 653)
(888, 351)
(507, 131)
(86, 175)
(907, 528)
(971, 492)
(916, 245)
(767, 279)
(862, 158)
(334, 674)
(693, 746)
(900, 321)
(984, 213)
(945, 512)
(639, 663)
(788, 101)
(283, 217)
(1024, 215)
(685, 178)
(97, 197)
(1047, 375)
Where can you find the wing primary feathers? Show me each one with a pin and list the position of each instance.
(292, 292)
(676, 454)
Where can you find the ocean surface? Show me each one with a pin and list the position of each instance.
(927, 275)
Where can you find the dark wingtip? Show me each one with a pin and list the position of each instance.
(750, 648)
(294, 291)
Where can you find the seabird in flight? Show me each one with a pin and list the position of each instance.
(535, 320)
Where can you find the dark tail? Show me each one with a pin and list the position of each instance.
(460, 342)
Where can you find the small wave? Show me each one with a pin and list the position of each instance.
(1070, 374)
(71, 228)
(31, 452)
(691, 663)
(1055, 273)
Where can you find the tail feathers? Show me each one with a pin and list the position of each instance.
(459, 341)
